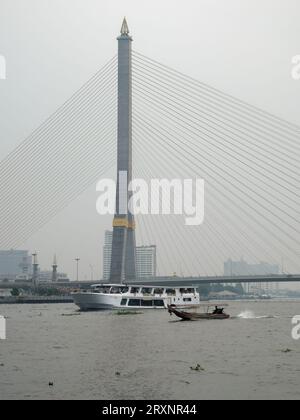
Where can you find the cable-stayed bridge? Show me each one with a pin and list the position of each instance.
(181, 128)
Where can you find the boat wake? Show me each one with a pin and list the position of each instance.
(251, 315)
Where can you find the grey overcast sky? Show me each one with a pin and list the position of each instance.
(242, 47)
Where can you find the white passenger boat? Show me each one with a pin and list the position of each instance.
(110, 296)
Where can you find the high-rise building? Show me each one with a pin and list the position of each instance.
(15, 262)
(242, 268)
(145, 261)
(107, 254)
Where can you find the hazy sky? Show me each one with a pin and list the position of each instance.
(243, 47)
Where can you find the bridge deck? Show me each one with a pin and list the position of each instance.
(176, 281)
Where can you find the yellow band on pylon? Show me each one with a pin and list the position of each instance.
(120, 222)
(131, 225)
(123, 223)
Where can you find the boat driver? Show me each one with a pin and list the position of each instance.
(218, 310)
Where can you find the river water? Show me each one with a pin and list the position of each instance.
(102, 355)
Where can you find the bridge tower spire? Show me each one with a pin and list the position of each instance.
(123, 243)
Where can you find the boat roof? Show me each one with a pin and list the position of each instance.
(142, 285)
(108, 285)
(206, 305)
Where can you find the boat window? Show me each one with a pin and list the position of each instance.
(99, 289)
(158, 291)
(187, 290)
(115, 289)
(123, 302)
(135, 289)
(104, 289)
(124, 289)
(170, 291)
(147, 302)
(187, 299)
(158, 302)
(147, 290)
(134, 302)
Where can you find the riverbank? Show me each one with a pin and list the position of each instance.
(35, 299)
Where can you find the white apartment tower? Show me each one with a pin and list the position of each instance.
(107, 254)
(146, 261)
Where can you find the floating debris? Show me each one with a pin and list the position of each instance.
(124, 312)
(50, 383)
(197, 368)
(286, 350)
(77, 313)
(117, 373)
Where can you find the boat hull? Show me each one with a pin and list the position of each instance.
(93, 301)
(193, 316)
